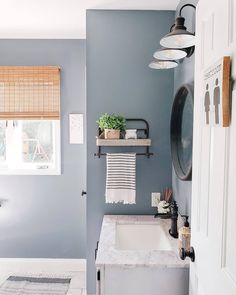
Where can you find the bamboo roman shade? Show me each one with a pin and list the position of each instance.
(29, 92)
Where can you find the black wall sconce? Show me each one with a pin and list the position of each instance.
(177, 44)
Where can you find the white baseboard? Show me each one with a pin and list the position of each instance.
(35, 265)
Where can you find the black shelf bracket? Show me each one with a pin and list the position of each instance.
(144, 130)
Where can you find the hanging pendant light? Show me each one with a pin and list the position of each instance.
(179, 37)
(170, 54)
(163, 64)
(178, 44)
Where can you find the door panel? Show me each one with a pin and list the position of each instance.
(229, 242)
(204, 180)
(232, 21)
(214, 161)
(207, 38)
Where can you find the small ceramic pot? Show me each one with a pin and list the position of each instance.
(112, 134)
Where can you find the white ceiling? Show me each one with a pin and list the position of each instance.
(61, 18)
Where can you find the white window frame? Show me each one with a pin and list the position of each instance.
(56, 170)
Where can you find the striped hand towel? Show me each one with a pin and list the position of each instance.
(34, 286)
(121, 178)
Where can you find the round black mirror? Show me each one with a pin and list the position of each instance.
(182, 132)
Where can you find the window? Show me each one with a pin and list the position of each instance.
(29, 120)
(30, 147)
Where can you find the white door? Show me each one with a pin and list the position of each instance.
(214, 161)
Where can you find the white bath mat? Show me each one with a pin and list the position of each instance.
(17, 285)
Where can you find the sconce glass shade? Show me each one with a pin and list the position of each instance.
(163, 64)
(179, 37)
(169, 54)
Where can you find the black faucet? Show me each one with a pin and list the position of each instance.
(173, 216)
(174, 220)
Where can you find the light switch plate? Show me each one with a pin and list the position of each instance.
(76, 128)
(156, 197)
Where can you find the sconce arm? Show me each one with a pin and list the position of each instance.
(190, 5)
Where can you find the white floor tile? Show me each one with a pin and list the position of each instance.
(78, 280)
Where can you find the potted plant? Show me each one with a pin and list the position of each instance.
(112, 125)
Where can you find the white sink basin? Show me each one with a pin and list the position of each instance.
(141, 237)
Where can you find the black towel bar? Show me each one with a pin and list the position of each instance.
(137, 154)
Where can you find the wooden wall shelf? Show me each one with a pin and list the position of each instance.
(140, 142)
(124, 142)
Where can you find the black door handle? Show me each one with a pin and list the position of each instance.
(83, 193)
(187, 253)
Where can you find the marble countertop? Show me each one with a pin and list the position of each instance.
(108, 254)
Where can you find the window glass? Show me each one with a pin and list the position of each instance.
(30, 147)
(37, 137)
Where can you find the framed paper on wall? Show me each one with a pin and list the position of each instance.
(216, 100)
(76, 125)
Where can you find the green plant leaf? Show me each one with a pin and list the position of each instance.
(112, 121)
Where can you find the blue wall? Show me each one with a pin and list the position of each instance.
(184, 73)
(44, 216)
(120, 45)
